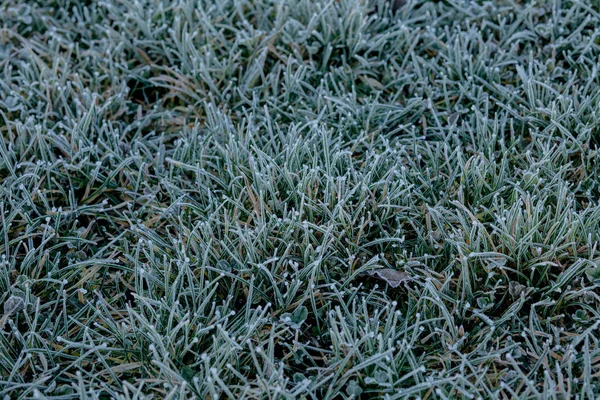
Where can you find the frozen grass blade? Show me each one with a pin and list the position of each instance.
(299, 199)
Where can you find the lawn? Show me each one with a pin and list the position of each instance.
(299, 199)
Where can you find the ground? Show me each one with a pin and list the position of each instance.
(248, 199)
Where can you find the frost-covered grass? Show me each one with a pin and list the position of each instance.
(195, 196)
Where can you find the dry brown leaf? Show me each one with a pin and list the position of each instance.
(393, 277)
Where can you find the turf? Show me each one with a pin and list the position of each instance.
(269, 199)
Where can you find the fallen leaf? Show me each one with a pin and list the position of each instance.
(13, 305)
(393, 277)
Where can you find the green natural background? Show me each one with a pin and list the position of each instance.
(269, 199)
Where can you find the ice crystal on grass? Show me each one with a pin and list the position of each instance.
(299, 199)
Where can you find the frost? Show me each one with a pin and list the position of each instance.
(13, 305)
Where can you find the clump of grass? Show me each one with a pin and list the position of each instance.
(299, 199)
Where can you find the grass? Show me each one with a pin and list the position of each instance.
(305, 199)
